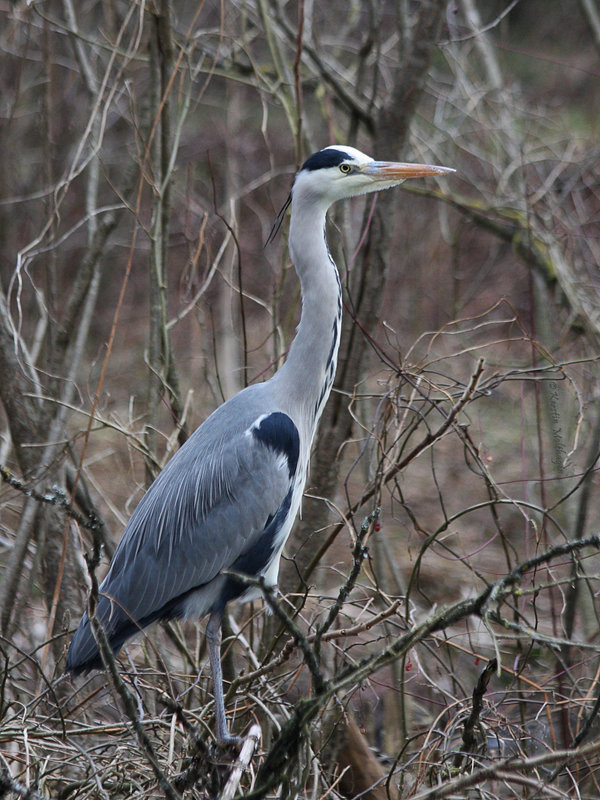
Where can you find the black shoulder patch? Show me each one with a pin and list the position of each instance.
(330, 157)
(278, 432)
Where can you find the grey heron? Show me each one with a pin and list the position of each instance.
(226, 501)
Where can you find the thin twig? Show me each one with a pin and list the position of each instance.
(359, 553)
(54, 497)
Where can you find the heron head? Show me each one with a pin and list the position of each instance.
(340, 171)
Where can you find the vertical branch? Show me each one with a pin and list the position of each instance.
(579, 599)
(167, 69)
(162, 376)
(50, 136)
(157, 277)
(298, 80)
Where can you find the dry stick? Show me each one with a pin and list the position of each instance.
(129, 265)
(196, 765)
(241, 293)
(359, 554)
(361, 627)
(580, 737)
(468, 737)
(125, 280)
(280, 758)
(593, 19)
(309, 654)
(55, 497)
(497, 590)
(101, 639)
(298, 80)
(242, 763)
(342, 89)
(455, 788)
(91, 127)
(96, 399)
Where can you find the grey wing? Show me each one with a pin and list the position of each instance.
(218, 504)
(206, 509)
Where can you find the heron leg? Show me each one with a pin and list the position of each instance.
(213, 637)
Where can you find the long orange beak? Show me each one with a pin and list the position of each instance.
(393, 171)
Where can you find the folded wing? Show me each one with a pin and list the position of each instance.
(219, 504)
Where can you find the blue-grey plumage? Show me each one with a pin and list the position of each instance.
(227, 500)
(213, 507)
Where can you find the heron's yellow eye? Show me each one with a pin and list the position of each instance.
(345, 168)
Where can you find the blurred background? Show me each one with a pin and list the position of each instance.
(146, 151)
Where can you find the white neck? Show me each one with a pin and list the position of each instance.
(309, 370)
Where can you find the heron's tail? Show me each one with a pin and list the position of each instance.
(83, 654)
